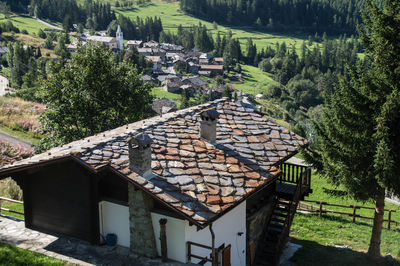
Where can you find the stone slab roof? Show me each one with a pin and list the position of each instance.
(197, 179)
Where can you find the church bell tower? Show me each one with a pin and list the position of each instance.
(120, 38)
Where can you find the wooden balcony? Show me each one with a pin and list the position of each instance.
(293, 175)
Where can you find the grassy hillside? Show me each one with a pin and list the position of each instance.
(19, 117)
(172, 17)
(253, 81)
(24, 23)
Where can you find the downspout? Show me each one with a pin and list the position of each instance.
(213, 253)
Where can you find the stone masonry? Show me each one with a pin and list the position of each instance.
(256, 223)
(141, 228)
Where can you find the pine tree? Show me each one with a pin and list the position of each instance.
(358, 140)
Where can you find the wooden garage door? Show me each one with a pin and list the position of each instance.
(60, 201)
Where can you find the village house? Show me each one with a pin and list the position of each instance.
(192, 68)
(172, 84)
(211, 70)
(172, 48)
(156, 60)
(219, 60)
(158, 52)
(207, 185)
(134, 43)
(72, 47)
(205, 59)
(164, 105)
(4, 85)
(196, 81)
(145, 51)
(151, 44)
(147, 78)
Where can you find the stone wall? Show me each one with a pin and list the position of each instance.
(140, 223)
(256, 223)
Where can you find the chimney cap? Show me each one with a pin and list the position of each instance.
(210, 113)
(141, 139)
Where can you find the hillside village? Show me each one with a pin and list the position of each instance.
(176, 70)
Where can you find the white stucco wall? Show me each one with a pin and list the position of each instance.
(226, 230)
(114, 218)
(175, 228)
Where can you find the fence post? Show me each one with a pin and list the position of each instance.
(354, 214)
(389, 218)
(320, 208)
(189, 251)
(0, 206)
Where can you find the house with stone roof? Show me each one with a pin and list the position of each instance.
(207, 185)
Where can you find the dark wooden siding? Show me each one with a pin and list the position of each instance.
(62, 199)
(113, 188)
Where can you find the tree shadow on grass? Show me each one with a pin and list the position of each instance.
(313, 253)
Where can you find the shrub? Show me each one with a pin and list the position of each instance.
(273, 91)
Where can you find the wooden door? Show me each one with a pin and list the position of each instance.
(226, 256)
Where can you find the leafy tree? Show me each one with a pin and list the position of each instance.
(89, 94)
(273, 91)
(5, 9)
(304, 92)
(42, 34)
(60, 48)
(357, 140)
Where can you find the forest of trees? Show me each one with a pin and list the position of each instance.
(334, 16)
(17, 5)
(140, 29)
(307, 78)
(92, 14)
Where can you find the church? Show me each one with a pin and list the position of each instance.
(113, 43)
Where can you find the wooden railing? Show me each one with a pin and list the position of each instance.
(320, 209)
(291, 173)
(206, 259)
(12, 201)
(289, 218)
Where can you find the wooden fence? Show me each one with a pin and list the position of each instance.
(320, 209)
(12, 201)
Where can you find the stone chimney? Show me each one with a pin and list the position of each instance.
(208, 124)
(239, 96)
(140, 154)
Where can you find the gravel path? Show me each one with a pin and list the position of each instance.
(14, 140)
(47, 24)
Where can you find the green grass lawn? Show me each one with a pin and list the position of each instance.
(254, 80)
(11, 255)
(24, 23)
(158, 92)
(15, 207)
(318, 235)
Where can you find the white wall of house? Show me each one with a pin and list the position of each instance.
(4, 84)
(226, 230)
(114, 218)
(175, 229)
